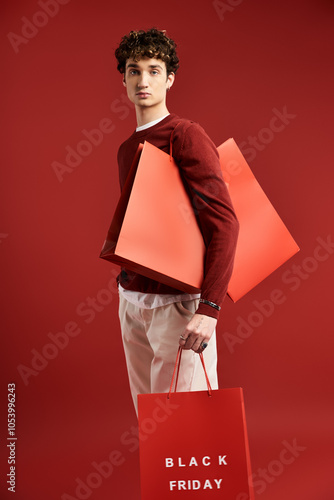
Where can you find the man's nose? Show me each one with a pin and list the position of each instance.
(142, 81)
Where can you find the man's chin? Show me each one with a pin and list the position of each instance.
(145, 104)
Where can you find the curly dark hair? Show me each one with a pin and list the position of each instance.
(151, 43)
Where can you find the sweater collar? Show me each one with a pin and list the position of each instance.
(146, 131)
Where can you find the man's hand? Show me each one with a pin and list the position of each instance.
(199, 329)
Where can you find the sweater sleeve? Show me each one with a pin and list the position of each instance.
(198, 161)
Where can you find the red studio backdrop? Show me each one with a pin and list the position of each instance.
(258, 71)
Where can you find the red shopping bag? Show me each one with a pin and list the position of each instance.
(264, 242)
(195, 445)
(154, 230)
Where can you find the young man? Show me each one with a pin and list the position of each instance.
(155, 318)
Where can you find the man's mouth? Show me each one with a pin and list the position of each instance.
(143, 94)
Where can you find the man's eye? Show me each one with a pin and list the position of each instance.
(154, 72)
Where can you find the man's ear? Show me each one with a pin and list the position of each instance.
(170, 80)
(124, 82)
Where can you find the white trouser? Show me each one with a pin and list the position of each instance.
(151, 340)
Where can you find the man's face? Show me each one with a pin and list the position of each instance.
(146, 81)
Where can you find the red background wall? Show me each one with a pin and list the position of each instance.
(238, 64)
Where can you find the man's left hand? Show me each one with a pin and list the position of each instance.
(199, 330)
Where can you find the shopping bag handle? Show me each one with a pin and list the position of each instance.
(177, 370)
(171, 143)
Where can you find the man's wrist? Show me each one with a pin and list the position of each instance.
(207, 310)
(209, 303)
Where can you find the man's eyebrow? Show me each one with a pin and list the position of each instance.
(134, 65)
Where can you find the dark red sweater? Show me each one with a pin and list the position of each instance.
(198, 160)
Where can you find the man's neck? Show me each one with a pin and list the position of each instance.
(147, 115)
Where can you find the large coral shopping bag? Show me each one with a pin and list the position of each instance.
(264, 242)
(195, 445)
(149, 233)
